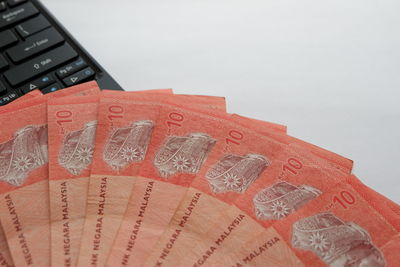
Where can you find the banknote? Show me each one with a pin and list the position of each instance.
(72, 123)
(124, 130)
(339, 228)
(24, 200)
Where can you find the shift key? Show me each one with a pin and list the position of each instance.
(39, 65)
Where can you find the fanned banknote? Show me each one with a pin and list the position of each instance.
(72, 123)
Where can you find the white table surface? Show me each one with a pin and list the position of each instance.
(330, 70)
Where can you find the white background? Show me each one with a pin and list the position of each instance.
(330, 70)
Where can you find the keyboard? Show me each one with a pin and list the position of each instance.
(37, 53)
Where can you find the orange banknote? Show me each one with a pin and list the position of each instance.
(339, 228)
(24, 202)
(124, 131)
(72, 123)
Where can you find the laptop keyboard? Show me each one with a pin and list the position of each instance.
(34, 55)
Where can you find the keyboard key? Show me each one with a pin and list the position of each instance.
(3, 6)
(3, 89)
(17, 14)
(37, 84)
(79, 77)
(15, 2)
(7, 98)
(71, 68)
(32, 26)
(35, 44)
(7, 38)
(3, 63)
(40, 64)
(51, 88)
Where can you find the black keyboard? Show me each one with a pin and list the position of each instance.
(37, 53)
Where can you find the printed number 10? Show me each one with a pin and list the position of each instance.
(234, 137)
(115, 112)
(63, 116)
(293, 165)
(345, 199)
(175, 119)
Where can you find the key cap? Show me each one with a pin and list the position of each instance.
(32, 26)
(3, 63)
(40, 65)
(15, 2)
(79, 77)
(3, 6)
(71, 68)
(7, 38)
(37, 84)
(17, 14)
(35, 44)
(51, 88)
(3, 89)
(7, 98)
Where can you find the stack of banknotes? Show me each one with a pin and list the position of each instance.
(152, 178)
